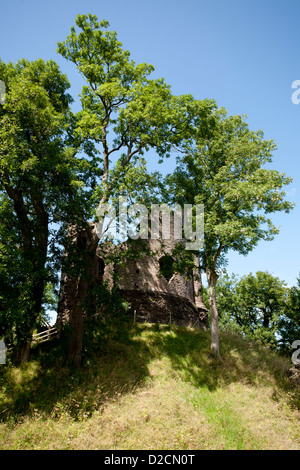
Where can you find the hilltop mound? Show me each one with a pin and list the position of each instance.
(151, 387)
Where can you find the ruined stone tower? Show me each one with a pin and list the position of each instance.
(155, 292)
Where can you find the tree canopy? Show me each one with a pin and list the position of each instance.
(225, 170)
(261, 307)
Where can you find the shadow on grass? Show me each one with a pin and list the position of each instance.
(116, 361)
(242, 360)
(46, 384)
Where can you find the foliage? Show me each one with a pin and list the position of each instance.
(226, 172)
(261, 307)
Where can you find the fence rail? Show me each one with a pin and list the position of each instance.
(44, 335)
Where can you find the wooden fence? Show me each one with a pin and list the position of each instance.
(44, 335)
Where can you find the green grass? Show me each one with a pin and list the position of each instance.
(150, 387)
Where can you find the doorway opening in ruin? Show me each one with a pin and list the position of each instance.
(166, 267)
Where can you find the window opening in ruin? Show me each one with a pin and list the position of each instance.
(166, 266)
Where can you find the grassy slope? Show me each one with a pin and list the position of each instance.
(151, 387)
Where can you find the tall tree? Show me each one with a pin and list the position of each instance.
(124, 114)
(119, 98)
(226, 171)
(37, 183)
(254, 305)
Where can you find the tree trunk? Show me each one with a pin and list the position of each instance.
(76, 322)
(75, 288)
(212, 281)
(30, 314)
(21, 352)
(36, 258)
(35, 245)
(24, 352)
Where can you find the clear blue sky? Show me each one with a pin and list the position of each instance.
(242, 53)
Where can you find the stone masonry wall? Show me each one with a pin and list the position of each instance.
(143, 273)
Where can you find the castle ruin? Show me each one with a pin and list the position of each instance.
(147, 280)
